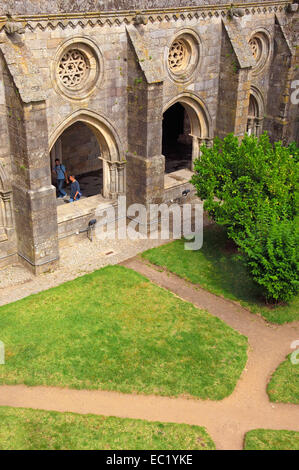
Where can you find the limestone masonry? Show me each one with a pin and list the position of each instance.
(124, 93)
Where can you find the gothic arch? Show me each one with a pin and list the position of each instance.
(105, 133)
(256, 111)
(199, 123)
(200, 119)
(110, 147)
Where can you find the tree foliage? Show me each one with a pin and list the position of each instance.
(251, 188)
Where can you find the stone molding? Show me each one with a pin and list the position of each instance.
(118, 18)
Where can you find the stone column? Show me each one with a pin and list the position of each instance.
(8, 219)
(113, 179)
(121, 177)
(258, 126)
(196, 143)
(146, 164)
(34, 197)
(249, 126)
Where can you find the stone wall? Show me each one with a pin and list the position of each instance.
(29, 7)
(8, 244)
(80, 150)
(127, 85)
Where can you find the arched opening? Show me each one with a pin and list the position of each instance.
(177, 141)
(255, 113)
(186, 126)
(89, 147)
(78, 150)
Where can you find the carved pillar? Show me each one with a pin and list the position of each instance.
(8, 220)
(195, 149)
(113, 179)
(250, 126)
(121, 177)
(208, 142)
(258, 126)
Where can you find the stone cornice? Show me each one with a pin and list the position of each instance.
(127, 17)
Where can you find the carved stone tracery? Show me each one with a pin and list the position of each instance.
(73, 68)
(256, 48)
(178, 56)
(260, 44)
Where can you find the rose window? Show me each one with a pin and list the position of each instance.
(73, 69)
(178, 56)
(256, 48)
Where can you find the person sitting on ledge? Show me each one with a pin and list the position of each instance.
(75, 189)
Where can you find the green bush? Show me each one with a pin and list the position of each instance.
(294, 151)
(271, 256)
(251, 189)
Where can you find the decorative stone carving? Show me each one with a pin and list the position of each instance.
(6, 219)
(140, 19)
(292, 7)
(237, 12)
(73, 68)
(256, 48)
(260, 44)
(77, 68)
(179, 55)
(13, 27)
(183, 55)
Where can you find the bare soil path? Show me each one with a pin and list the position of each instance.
(228, 420)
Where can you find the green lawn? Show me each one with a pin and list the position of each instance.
(115, 330)
(265, 439)
(22, 429)
(284, 384)
(216, 268)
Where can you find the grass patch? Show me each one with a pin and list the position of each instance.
(284, 384)
(115, 330)
(265, 439)
(42, 430)
(216, 268)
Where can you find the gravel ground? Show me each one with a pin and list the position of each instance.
(76, 259)
(17, 282)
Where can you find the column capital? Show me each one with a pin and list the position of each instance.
(6, 195)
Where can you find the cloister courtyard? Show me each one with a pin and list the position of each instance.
(206, 365)
(125, 114)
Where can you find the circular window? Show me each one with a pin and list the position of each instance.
(73, 69)
(183, 56)
(77, 68)
(179, 56)
(260, 48)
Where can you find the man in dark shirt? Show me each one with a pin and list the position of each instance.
(75, 190)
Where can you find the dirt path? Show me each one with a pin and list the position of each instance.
(227, 421)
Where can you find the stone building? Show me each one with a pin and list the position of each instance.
(126, 92)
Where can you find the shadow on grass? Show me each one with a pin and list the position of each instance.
(217, 267)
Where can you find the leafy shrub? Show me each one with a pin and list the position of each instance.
(294, 151)
(271, 256)
(251, 188)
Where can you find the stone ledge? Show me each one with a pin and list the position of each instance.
(118, 17)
